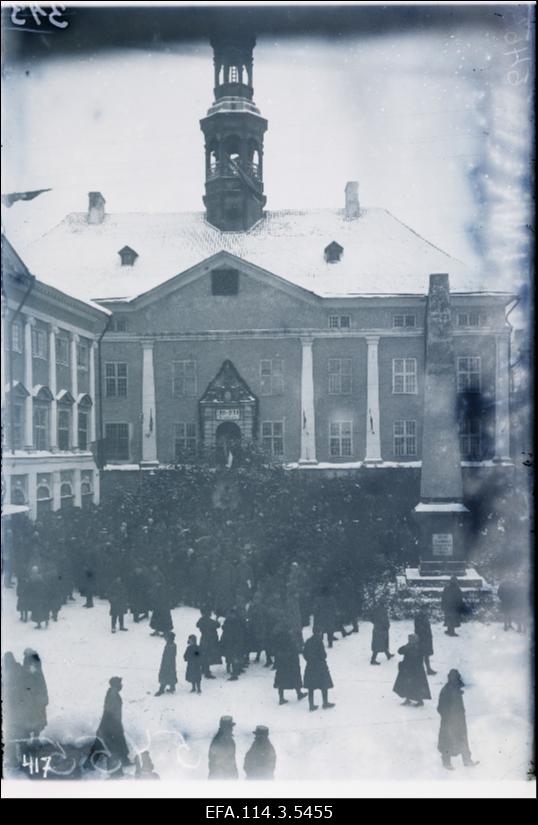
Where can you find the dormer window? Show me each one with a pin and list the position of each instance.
(128, 256)
(333, 252)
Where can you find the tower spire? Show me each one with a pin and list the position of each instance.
(233, 131)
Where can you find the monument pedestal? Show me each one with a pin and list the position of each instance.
(442, 531)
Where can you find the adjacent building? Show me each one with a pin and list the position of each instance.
(49, 392)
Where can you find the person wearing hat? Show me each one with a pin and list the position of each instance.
(453, 739)
(317, 675)
(167, 670)
(193, 657)
(110, 738)
(222, 763)
(424, 632)
(260, 759)
(411, 683)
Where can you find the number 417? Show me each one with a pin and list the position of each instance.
(33, 763)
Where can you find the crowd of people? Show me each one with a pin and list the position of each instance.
(256, 593)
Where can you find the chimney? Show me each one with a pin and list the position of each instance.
(352, 200)
(96, 207)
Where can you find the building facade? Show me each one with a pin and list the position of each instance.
(301, 331)
(49, 392)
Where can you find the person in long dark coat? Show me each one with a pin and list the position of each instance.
(161, 617)
(222, 764)
(453, 606)
(411, 683)
(110, 731)
(288, 668)
(453, 739)
(209, 642)
(38, 598)
(260, 759)
(233, 641)
(139, 594)
(167, 670)
(36, 697)
(325, 618)
(119, 605)
(13, 696)
(193, 657)
(317, 675)
(380, 633)
(23, 595)
(424, 632)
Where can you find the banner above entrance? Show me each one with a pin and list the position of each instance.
(228, 414)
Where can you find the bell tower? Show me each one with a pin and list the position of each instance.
(233, 131)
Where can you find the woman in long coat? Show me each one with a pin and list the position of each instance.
(110, 730)
(209, 642)
(193, 657)
(36, 697)
(424, 632)
(453, 739)
(161, 617)
(453, 606)
(167, 670)
(411, 683)
(380, 633)
(288, 668)
(317, 675)
(38, 598)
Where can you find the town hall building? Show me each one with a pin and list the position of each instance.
(301, 332)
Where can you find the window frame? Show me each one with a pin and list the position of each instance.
(62, 411)
(405, 437)
(17, 427)
(272, 382)
(405, 316)
(17, 340)
(269, 439)
(338, 436)
(189, 391)
(185, 444)
(405, 375)
(127, 445)
(83, 364)
(336, 385)
(39, 337)
(84, 430)
(41, 428)
(466, 423)
(115, 380)
(339, 319)
(468, 372)
(62, 340)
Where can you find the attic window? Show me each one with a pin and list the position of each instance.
(119, 324)
(128, 256)
(224, 282)
(333, 252)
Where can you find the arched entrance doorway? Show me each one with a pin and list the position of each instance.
(228, 443)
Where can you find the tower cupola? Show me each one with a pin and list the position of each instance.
(233, 131)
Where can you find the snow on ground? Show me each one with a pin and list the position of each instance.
(367, 736)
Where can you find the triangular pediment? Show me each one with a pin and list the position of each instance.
(227, 387)
(227, 260)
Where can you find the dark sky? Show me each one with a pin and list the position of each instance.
(95, 28)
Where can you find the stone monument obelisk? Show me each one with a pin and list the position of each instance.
(440, 513)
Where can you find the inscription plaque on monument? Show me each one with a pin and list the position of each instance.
(442, 544)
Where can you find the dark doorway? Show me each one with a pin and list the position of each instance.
(228, 442)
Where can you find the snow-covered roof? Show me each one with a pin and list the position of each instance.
(381, 254)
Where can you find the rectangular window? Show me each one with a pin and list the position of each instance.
(404, 375)
(120, 325)
(469, 374)
(339, 376)
(83, 357)
(469, 319)
(184, 379)
(41, 427)
(184, 439)
(340, 439)
(39, 343)
(470, 438)
(64, 421)
(273, 437)
(404, 321)
(83, 430)
(16, 337)
(62, 351)
(271, 376)
(224, 282)
(339, 321)
(117, 442)
(115, 379)
(405, 438)
(18, 426)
